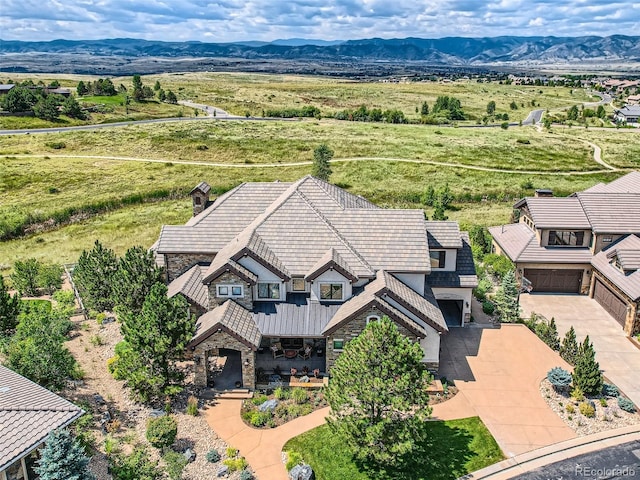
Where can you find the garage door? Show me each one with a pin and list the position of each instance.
(560, 281)
(616, 307)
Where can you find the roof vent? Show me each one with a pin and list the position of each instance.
(544, 192)
(4, 389)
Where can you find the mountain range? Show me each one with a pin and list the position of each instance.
(444, 51)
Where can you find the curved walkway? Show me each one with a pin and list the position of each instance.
(261, 447)
(305, 163)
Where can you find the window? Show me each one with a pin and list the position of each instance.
(607, 239)
(269, 290)
(437, 258)
(298, 285)
(331, 291)
(338, 344)
(230, 290)
(372, 318)
(566, 238)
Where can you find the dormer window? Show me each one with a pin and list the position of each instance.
(269, 291)
(618, 264)
(438, 258)
(566, 238)
(230, 291)
(331, 291)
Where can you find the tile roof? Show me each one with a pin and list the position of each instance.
(465, 274)
(611, 212)
(298, 317)
(443, 234)
(629, 281)
(520, 244)
(203, 187)
(555, 212)
(630, 110)
(28, 412)
(190, 285)
(629, 183)
(231, 317)
(233, 266)
(330, 260)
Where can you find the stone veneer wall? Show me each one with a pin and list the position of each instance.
(178, 263)
(212, 345)
(203, 202)
(351, 330)
(229, 278)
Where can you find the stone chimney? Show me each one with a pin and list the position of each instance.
(200, 197)
(544, 192)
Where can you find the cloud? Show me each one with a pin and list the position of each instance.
(234, 20)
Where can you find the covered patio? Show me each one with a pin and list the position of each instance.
(290, 357)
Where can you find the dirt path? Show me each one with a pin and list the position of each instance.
(335, 160)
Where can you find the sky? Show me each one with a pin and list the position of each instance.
(267, 20)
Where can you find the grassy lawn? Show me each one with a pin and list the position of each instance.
(455, 448)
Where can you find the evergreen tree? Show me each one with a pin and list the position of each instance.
(156, 86)
(50, 277)
(322, 155)
(9, 310)
(586, 373)
(491, 107)
(506, 299)
(93, 275)
(82, 89)
(137, 272)
(19, 99)
(424, 110)
(569, 348)
(138, 93)
(429, 196)
(46, 108)
(548, 333)
(380, 414)
(158, 336)
(25, 276)
(438, 211)
(71, 108)
(62, 458)
(171, 97)
(573, 113)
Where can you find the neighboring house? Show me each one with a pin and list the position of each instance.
(6, 88)
(285, 270)
(566, 244)
(633, 100)
(28, 413)
(628, 114)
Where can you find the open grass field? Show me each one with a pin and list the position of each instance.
(454, 448)
(620, 147)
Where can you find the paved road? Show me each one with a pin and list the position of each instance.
(533, 118)
(620, 461)
(208, 109)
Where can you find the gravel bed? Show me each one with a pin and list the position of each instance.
(606, 418)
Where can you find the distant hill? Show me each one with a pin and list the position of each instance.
(443, 51)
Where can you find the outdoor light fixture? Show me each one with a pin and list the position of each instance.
(246, 362)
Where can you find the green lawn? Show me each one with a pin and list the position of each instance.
(454, 448)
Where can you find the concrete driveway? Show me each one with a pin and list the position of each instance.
(619, 359)
(498, 374)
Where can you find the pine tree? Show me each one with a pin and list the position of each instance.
(569, 348)
(321, 158)
(93, 276)
(137, 272)
(552, 338)
(586, 373)
(62, 458)
(9, 309)
(506, 299)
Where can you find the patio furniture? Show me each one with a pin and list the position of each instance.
(290, 354)
(294, 372)
(277, 350)
(306, 353)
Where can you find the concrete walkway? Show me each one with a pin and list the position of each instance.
(498, 374)
(619, 359)
(261, 448)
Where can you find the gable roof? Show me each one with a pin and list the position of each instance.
(387, 286)
(236, 268)
(557, 212)
(629, 110)
(231, 318)
(628, 251)
(331, 260)
(203, 187)
(190, 285)
(465, 273)
(611, 212)
(629, 183)
(443, 234)
(28, 412)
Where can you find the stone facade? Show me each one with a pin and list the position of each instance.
(351, 330)
(199, 201)
(178, 263)
(230, 278)
(211, 347)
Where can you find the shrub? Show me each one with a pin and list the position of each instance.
(586, 373)
(559, 378)
(587, 410)
(488, 307)
(175, 463)
(192, 406)
(610, 390)
(100, 318)
(96, 340)
(213, 456)
(281, 393)
(231, 452)
(570, 408)
(259, 399)
(498, 264)
(259, 419)
(294, 458)
(246, 475)
(299, 396)
(626, 405)
(577, 394)
(235, 464)
(56, 145)
(603, 402)
(162, 431)
(524, 141)
(483, 287)
(135, 466)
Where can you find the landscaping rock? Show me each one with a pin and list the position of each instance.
(190, 455)
(268, 405)
(157, 413)
(108, 320)
(98, 399)
(305, 379)
(301, 472)
(223, 471)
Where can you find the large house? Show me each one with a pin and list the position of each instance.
(586, 243)
(628, 114)
(279, 271)
(28, 413)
